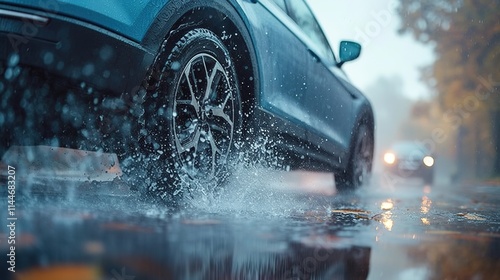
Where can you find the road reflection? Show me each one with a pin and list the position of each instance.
(103, 231)
(98, 244)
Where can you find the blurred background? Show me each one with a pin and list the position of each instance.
(431, 70)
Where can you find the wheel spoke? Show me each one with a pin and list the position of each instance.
(211, 86)
(193, 102)
(219, 112)
(219, 128)
(215, 150)
(188, 145)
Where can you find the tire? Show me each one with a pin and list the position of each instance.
(360, 164)
(193, 115)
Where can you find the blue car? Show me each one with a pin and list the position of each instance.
(179, 88)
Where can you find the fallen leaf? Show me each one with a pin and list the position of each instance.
(350, 211)
(474, 217)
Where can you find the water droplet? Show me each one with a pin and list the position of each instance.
(13, 60)
(88, 69)
(106, 74)
(176, 66)
(106, 52)
(8, 73)
(48, 58)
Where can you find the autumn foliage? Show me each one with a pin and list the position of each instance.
(465, 75)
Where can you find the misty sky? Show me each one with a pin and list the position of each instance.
(385, 53)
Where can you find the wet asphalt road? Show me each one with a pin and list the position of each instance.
(258, 229)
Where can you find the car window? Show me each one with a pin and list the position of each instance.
(302, 15)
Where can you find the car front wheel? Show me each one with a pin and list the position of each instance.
(193, 114)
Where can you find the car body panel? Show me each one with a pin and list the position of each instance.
(96, 49)
(302, 90)
(130, 19)
(281, 78)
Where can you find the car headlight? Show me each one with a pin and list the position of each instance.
(389, 158)
(428, 161)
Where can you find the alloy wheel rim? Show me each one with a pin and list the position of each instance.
(203, 116)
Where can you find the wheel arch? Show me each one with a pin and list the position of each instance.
(365, 116)
(226, 19)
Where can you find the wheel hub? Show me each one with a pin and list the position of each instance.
(206, 112)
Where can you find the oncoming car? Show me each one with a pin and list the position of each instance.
(177, 88)
(409, 159)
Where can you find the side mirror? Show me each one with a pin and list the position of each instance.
(348, 51)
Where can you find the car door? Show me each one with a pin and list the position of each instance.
(326, 101)
(283, 72)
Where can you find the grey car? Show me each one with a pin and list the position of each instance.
(410, 159)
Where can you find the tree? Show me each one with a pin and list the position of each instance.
(465, 75)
